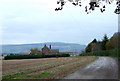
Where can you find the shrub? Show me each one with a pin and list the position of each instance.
(113, 53)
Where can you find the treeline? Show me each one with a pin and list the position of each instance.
(34, 56)
(97, 45)
(106, 47)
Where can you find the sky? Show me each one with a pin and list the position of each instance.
(36, 21)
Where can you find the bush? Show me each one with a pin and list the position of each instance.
(34, 56)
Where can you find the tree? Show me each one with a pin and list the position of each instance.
(90, 46)
(114, 41)
(91, 5)
(94, 41)
(35, 51)
(104, 42)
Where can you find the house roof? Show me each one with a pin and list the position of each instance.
(46, 47)
(50, 50)
(54, 50)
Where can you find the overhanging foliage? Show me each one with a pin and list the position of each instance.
(91, 4)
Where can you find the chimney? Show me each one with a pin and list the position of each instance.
(50, 46)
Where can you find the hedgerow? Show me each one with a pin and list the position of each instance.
(34, 56)
(113, 53)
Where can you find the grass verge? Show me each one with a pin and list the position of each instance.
(22, 74)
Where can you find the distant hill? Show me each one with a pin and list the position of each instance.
(63, 47)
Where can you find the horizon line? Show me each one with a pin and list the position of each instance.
(39, 43)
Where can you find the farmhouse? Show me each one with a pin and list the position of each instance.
(49, 51)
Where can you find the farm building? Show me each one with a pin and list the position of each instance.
(49, 51)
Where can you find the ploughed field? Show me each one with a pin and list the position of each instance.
(45, 68)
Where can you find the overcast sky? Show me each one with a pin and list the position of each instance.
(35, 21)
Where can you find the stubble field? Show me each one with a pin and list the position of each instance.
(45, 68)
